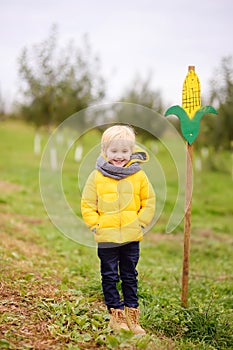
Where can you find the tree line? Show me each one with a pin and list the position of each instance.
(57, 82)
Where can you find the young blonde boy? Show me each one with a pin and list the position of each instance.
(118, 203)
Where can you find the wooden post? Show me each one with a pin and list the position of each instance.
(187, 224)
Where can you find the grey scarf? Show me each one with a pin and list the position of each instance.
(115, 172)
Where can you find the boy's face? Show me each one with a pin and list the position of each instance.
(118, 153)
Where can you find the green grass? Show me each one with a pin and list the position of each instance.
(50, 286)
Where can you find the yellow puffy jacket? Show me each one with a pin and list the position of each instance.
(118, 210)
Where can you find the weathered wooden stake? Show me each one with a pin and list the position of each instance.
(187, 224)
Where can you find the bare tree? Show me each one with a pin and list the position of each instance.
(57, 82)
(220, 131)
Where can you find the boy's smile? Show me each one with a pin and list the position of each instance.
(119, 163)
(118, 153)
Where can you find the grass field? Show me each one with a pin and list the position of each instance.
(50, 286)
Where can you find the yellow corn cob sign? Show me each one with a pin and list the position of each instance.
(191, 112)
(191, 93)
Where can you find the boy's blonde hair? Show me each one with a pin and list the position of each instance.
(117, 132)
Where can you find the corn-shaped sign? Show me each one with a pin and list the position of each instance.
(191, 112)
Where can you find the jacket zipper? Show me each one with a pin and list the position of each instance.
(119, 204)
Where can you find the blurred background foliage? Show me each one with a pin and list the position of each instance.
(56, 82)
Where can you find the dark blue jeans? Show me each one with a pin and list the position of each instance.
(118, 262)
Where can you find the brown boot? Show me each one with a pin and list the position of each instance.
(118, 320)
(132, 317)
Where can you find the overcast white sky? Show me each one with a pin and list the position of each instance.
(160, 38)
